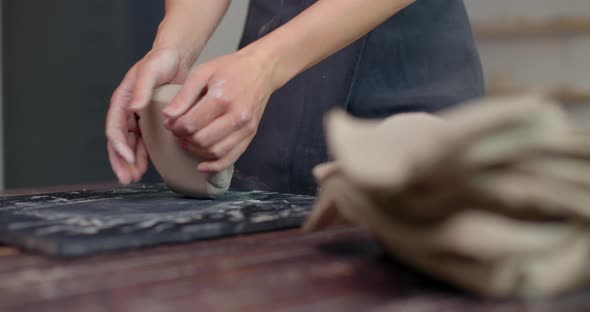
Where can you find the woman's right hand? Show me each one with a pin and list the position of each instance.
(127, 153)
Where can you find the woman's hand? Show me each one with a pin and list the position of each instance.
(127, 152)
(216, 113)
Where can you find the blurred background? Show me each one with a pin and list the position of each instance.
(60, 60)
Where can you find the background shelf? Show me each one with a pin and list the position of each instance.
(527, 28)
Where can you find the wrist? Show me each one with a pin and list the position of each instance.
(268, 56)
(189, 46)
(182, 56)
(267, 61)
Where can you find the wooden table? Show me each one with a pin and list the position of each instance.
(336, 270)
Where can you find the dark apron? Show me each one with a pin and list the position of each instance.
(422, 59)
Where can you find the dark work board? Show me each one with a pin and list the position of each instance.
(89, 222)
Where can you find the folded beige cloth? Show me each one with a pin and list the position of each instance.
(492, 196)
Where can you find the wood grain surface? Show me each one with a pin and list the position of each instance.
(341, 269)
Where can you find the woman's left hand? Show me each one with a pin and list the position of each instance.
(216, 113)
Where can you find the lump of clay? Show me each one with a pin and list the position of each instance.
(177, 167)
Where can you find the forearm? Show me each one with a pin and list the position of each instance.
(188, 25)
(321, 30)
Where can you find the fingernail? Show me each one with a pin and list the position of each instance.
(168, 114)
(203, 168)
(132, 173)
(125, 152)
(132, 106)
(122, 180)
(139, 104)
(119, 178)
(170, 110)
(137, 176)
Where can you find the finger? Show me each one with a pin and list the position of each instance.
(198, 117)
(225, 162)
(124, 92)
(220, 128)
(323, 171)
(119, 166)
(116, 121)
(189, 94)
(226, 145)
(199, 152)
(132, 125)
(321, 216)
(116, 133)
(142, 156)
(116, 164)
(133, 170)
(156, 70)
(218, 150)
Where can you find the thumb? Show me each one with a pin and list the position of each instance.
(154, 72)
(142, 93)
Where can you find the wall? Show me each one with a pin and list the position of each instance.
(1, 107)
(551, 55)
(227, 36)
(62, 61)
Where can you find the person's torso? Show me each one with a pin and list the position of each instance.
(421, 59)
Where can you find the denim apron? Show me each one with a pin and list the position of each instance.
(422, 59)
